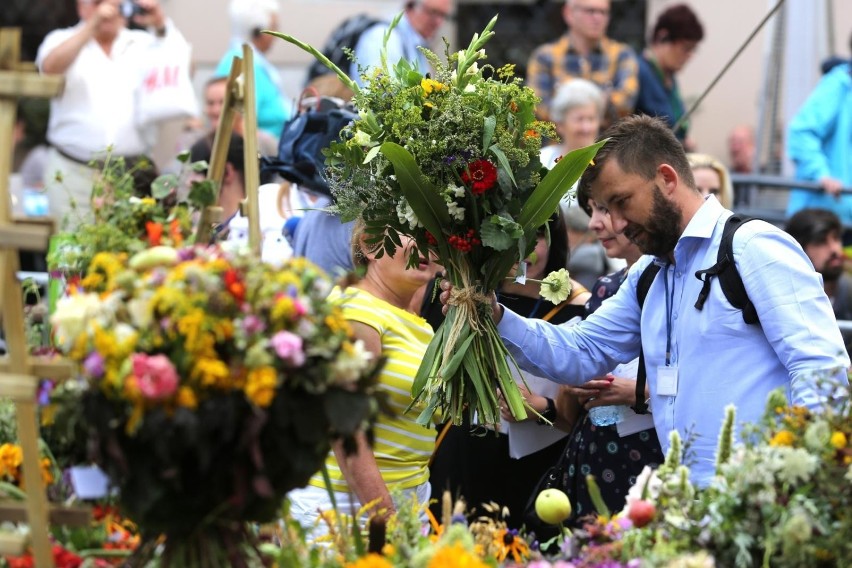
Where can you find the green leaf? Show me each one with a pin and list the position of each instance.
(504, 162)
(374, 151)
(488, 131)
(164, 185)
(422, 196)
(500, 233)
(183, 157)
(319, 57)
(202, 193)
(545, 197)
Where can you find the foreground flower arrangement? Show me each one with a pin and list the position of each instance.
(452, 160)
(781, 498)
(215, 384)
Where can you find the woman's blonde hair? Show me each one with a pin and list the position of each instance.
(726, 189)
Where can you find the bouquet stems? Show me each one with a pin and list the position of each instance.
(467, 362)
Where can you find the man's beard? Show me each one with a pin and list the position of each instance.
(830, 271)
(662, 230)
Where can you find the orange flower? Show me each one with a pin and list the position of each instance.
(155, 233)
(174, 232)
(372, 560)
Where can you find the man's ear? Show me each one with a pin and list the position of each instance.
(669, 177)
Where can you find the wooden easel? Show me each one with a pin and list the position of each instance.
(18, 372)
(239, 97)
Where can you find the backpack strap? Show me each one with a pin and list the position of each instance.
(729, 276)
(642, 287)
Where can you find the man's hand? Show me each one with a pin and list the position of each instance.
(831, 186)
(444, 297)
(152, 14)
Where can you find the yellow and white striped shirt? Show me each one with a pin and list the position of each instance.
(402, 447)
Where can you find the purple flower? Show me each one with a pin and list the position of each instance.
(94, 365)
(288, 346)
(253, 324)
(45, 387)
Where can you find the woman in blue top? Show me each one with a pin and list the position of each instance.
(674, 39)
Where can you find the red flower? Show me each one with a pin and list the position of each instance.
(155, 233)
(480, 175)
(234, 285)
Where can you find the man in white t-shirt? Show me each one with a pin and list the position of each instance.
(102, 62)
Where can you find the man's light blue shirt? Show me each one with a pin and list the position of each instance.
(402, 44)
(720, 359)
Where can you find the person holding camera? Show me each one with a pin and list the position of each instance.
(102, 62)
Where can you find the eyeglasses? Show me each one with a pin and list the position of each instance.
(435, 13)
(602, 12)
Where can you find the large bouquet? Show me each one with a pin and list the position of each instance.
(452, 160)
(215, 385)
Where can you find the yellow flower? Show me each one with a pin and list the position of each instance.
(210, 372)
(838, 440)
(509, 543)
(430, 86)
(782, 438)
(11, 457)
(336, 323)
(283, 310)
(556, 286)
(190, 325)
(372, 560)
(186, 398)
(260, 386)
(105, 343)
(455, 556)
(46, 471)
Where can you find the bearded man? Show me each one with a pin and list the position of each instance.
(699, 356)
(819, 232)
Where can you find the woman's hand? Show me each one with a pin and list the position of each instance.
(534, 401)
(605, 391)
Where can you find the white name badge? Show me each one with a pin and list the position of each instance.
(666, 381)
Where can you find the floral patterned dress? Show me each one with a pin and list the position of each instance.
(614, 461)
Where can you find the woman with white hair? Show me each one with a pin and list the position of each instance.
(577, 111)
(248, 19)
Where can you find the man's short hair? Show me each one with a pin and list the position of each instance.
(813, 225)
(202, 150)
(639, 144)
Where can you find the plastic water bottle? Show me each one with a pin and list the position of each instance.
(606, 415)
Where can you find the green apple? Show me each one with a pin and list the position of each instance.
(552, 506)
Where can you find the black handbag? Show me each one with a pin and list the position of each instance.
(556, 477)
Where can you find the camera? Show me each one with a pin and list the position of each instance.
(129, 8)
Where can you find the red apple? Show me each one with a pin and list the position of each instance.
(641, 513)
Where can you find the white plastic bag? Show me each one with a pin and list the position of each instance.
(165, 89)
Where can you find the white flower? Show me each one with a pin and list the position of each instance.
(140, 312)
(72, 316)
(555, 287)
(351, 363)
(818, 436)
(798, 466)
(470, 88)
(849, 474)
(455, 211)
(406, 214)
(361, 138)
(473, 69)
(455, 190)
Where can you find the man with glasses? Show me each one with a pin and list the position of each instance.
(585, 51)
(417, 28)
(102, 62)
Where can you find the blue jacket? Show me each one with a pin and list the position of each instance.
(655, 99)
(269, 99)
(819, 141)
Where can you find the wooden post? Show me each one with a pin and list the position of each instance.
(239, 97)
(17, 378)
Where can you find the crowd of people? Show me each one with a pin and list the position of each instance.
(649, 199)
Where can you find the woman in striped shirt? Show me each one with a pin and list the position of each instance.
(376, 307)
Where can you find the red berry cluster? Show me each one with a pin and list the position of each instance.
(430, 238)
(464, 242)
